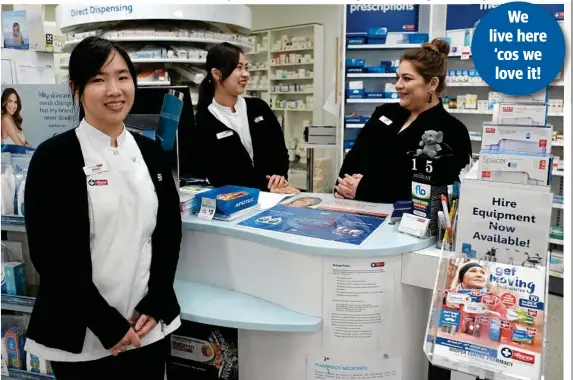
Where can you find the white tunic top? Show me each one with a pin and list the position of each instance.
(123, 211)
(238, 121)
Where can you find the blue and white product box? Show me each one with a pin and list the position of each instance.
(188, 198)
(516, 138)
(525, 169)
(520, 114)
(426, 202)
(229, 199)
(14, 279)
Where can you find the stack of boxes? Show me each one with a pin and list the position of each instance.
(516, 145)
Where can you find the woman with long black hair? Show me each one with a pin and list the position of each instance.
(104, 231)
(240, 139)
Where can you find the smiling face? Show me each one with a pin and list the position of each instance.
(108, 97)
(412, 87)
(236, 83)
(474, 278)
(12, 104)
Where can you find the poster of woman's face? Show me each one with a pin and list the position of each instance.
(12, 132)
(15, 30)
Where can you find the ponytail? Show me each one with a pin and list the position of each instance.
(206, 92)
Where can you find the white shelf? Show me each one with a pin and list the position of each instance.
(555, 274)
(258, 89)
(293, 50)
(556, 241)
(371, 75)
(558, 173)
(153, 83)
(294, 109)
(558, 205)
(293, 93)
(259, 69)
(317, 146)
(354, 125)
(298, 78)
(475, 138)
(483, 84)
(168, 60)
(210, 41)
(373, 100)
(480, 112)
(257, 52)
(382, 46)
(292, 64)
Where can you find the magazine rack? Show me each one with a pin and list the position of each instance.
(507, 342)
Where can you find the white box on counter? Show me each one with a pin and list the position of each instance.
(516, 138)
(526, 169)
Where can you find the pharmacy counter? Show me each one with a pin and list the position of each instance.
(273, 287)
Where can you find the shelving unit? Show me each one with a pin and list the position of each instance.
(290, 84)
(191, 28)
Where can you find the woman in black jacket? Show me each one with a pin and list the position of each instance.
(240, 139)
(104, 231)
(377, 168)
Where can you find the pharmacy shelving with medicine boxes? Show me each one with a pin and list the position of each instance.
(285, 67)
(168, 44)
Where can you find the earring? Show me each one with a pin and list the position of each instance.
(430, 96)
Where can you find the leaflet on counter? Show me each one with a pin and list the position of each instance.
(327, 202)
(325, 225)
(492, 318)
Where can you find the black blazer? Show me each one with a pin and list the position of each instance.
(225, 161)
(58, 227)
(380, 152)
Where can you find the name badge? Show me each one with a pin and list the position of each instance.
(385, 120)
(98, 182)
(260, 118)
(95, 169)
(222, 135)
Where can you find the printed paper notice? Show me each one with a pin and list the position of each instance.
(357, 306)
(369, 366)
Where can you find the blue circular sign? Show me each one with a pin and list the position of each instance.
(518, 48)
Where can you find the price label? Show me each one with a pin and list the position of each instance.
(208, 206)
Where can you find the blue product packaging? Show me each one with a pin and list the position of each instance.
(494, 330)
(418, 38)
(355, 62)
(377, 32)
(376, 69)
(355, 93)
(391, 95)
(169, 119)
(230, 199)
(14, 279)
(386, 64)
(375, 95)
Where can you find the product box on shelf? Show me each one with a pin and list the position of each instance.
(491, 318)
(356, 38)
(520, 114)
(539, 97)
(36, 365)
(229, 199)
(357, 93)
(15, 339)
(556, 264)
(516, 138)
(14, 281)
(526, 169)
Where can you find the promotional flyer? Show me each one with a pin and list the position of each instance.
(324, 225)
(492, 316)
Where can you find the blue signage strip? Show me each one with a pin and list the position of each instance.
(396, 18)
(464, 16)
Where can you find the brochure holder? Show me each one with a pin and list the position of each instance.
(488, 316)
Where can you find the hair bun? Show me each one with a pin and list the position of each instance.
(437, 45)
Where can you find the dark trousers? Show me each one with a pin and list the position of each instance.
(438, 373)
(147, 363)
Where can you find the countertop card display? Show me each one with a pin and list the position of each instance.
(357, 294)
(345, 366)
(505, 225)
(325, 225)
(492, 319)
(204, 352)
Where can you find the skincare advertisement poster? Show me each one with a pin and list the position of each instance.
(319, 224)
(504, 224)
(15, 30)
(325, 202)
(204, 352)
(32, 114)
(492, 317)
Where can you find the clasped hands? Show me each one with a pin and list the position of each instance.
(140, 327)
(279, 185)
(347, 186)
